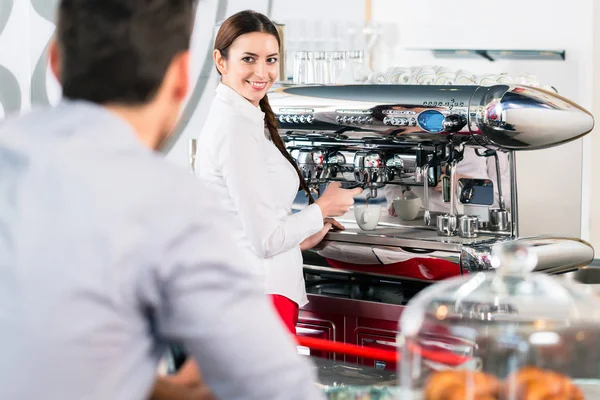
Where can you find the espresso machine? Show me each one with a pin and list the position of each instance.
(416, 136)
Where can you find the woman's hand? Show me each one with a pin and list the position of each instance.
(312, 241)
(335, 225)
(336, 201)
(392, 210)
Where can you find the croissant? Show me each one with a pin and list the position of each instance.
(461, 385)
(530, 383)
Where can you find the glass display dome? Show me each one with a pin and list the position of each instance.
(509, 334)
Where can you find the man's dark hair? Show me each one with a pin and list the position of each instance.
(118, 51)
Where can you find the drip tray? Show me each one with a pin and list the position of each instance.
(361, 288)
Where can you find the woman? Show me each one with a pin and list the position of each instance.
(243, 160)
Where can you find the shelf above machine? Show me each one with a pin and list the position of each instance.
(497, 54)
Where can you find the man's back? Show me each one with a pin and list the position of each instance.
(105, 253)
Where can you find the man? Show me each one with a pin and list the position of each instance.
(106, 251)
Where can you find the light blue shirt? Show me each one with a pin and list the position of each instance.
(106, 253)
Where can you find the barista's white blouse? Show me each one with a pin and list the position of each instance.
(256, 185)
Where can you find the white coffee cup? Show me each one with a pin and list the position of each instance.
(367, 217)
(464, 77)
(425, 76)
(377, 78)
(486, 80)
(444, 76)
(398, 75)
(407, 209)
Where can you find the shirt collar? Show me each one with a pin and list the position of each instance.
(112, 127)
(240, 103)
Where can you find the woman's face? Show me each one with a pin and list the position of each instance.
(252, 65)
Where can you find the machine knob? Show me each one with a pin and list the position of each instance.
(467, 195)
(453, 123)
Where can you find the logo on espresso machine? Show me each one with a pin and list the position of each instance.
(449, 104)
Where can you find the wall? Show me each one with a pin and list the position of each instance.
(551, 199)
(25, 30)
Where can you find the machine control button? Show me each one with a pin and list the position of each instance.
(431, 121)
(453, 123)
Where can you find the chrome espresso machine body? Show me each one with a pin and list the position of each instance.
(413, 135)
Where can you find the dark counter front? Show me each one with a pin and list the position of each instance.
(354, 308)
(333, 374)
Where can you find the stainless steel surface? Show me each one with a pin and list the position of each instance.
(554, 255)
(509, 117)
(427, 214)
(467, 226)
(514, 197)
(446, 189)
(370, 170)
(446, 225)
(377, 135)
(499, 183)
(475, 192)
(408, 234)
(499, 220)
(526, 118)
(452, 197)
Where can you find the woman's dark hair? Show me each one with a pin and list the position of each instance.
(247, 22)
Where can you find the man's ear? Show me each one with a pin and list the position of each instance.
(182, 68)
(54, 59)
